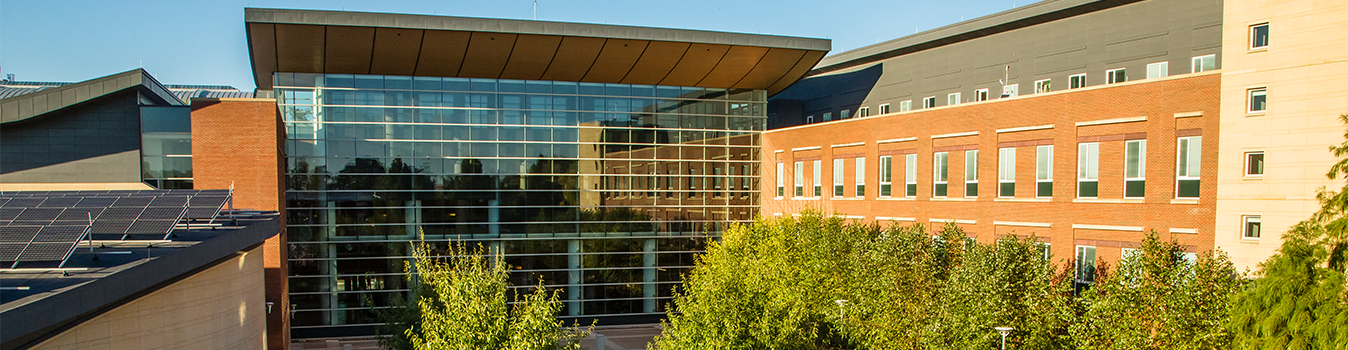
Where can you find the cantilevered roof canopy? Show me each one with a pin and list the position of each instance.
(307, 41)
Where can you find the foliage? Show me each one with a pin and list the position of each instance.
(462, 304)
(1301, 301)
(1155, 299)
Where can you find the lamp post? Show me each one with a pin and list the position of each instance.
(1004, 331)
(840, 307)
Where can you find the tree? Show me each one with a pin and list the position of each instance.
(1157, 299)
(462, 304)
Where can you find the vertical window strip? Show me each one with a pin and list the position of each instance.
(910, 175)
(781, 184)
(818, 178)
(800, 179)
(939, 168)
(861, 176)
(1189, 167)
(886, 175)
(1088, 170)
(971, 173)
(1044, 171)
(1006, 172)
(1135, 169)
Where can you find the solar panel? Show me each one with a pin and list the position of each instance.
(10, 251)
(40, 214)
(201, 213)
(110, 227)
(151, 227)
(7, 214)
(204, 200)
(3, 200)
(18, 234)
(121, 213)
(165, 213)
(24, 202)
(60, 234)
(169, 201)
(80, 214)
(133, 201)
(60, 202)
(101, 202)
(46, 252)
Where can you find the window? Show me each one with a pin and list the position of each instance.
(1088, 170)
(1043, 86)
(1085, 264)
(1158, 70)
(1010, 90)
(1043, 171)
(1076, 81)
(692, 181)
(939, 173)
(906, 106)
(716, 181)
(781, 184)
(1114, 76)
(861, 177)
(886, 175)
(809, 120)
(1190, 158)
(952, 99)
(1135, 169)
(800, 179)
(845, 114)
(1204, 63)
(1252, 226)
(818, 178)
(1006, 172)
(929, 102)
(730, 179)
(971, 173)
(1258, 100)
(828, 116)
(884, 108)
(863, 112)
(1046, 248)
(1259, 36)
(981, 95)
(910, 175)
(744, 182)
(1254, 163)
(838, 177)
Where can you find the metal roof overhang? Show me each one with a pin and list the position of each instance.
(308, 41)
(40, 102)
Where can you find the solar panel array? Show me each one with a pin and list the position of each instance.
(47, 225)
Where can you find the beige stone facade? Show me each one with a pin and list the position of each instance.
(221, 307)
(1304, 68)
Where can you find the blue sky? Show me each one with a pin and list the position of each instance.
(202, 42)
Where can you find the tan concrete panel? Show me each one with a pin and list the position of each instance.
(348, 50)
(803, 66)
(737, 62)
(656, 62)
(770, 68)
(262, 44)
(441, 53)
(487, 55)
(615, 60)
(395, 51)
(531, 56)
(304, 49)
(574, 58)
(695, 64)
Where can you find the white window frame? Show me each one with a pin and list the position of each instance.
(1043, 86)
(828, 116)
(1253, 27)
(781, 180)
(1188, 166)
(1081, 251)
(1261, 166)
(884, 109)
(1088, 166)
(1076, 81)
(863, 112)
(905, 106)
(1245, 221)
(1249, 100)
(952, 99)
(1009, 91)
(799, 176)
(940, 173)
(818, 183)
(1006, 171)
(970, 172)
(910, 174)
(981, 94)
(838, 177)
(1043, 153)
(1111, 76)
(861, 177)
(1162, 70)
(809, 120)
(928, 102)
(886, 176)
(1141, 172)
(1196, 64)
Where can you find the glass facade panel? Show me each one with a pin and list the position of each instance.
(605, 191)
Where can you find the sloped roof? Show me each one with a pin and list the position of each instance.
(23, 103)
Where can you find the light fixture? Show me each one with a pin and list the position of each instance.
(1004, 331)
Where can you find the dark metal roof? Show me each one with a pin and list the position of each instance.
(307, 41)
(23, 105)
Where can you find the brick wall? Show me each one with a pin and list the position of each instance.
(1111, 115)
(240, 142)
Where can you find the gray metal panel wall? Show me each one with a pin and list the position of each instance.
(97, 141)
(1129, 36)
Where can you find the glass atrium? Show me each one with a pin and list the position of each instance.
(604, 191)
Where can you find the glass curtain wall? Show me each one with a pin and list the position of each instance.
(604, 191)
(166, 147)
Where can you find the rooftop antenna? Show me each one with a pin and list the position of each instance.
(1005, 77)
(535, 10)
